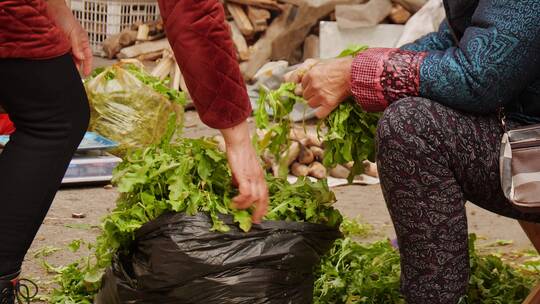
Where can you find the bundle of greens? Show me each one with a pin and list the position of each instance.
(350, 132)
(303, 201)
(350, 137)
(189, 176)
(353, 272)
(493, 281)
(277, 126)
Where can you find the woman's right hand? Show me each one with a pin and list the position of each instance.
(324, 83)
(80, 46)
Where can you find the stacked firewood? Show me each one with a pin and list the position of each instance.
(144, 41)
(262, 30)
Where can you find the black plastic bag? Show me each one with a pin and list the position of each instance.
(177, 259)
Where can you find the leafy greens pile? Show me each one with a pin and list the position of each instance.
(189, 176)
(354, 272)
(350, 132)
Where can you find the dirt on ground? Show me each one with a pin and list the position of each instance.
(363, 202)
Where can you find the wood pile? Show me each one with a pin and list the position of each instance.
(262, 30)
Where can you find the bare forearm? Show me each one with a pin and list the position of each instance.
(60, 13)
(236, 135)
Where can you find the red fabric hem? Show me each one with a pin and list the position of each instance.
(202, 43)
(381, 76)
(6, 126)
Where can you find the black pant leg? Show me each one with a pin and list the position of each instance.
(48, 105)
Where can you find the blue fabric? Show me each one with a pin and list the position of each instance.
(436, 41)
(496, 62)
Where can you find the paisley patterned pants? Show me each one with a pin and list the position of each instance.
(432, 159)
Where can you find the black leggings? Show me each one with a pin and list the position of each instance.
(47, 103)
(433, 159)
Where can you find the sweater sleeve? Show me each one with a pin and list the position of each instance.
(202, 44)
(440, 40)
(497, 57)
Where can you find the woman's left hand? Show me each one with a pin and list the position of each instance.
(325, 84)
(247, 171)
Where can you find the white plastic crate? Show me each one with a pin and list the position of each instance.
(103, 18)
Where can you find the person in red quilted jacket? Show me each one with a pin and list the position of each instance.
(41, 46)
(201, 40)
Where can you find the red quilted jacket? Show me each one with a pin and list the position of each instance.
(27, 32)
(196, 29)
(204, 50)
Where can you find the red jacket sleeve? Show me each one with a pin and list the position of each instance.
(202, 44)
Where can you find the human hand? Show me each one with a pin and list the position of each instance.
(248, 174)
(325, 84)
(80, 46)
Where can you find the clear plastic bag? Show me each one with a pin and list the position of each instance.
(126, 110)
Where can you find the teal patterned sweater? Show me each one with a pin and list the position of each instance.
(486, 55)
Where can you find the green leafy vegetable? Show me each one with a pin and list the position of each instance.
(79, 226)
(493, 281)
(350, 132)
(303, 201)
(353, 272)
(46, 251)
(72, 286)
(353, 50)
(355, 228)
(189, 176)
(160, 86)
(277, 126)
(350, 137)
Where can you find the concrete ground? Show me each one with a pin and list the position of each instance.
(366, 202)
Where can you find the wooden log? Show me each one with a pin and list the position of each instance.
(113, 44)
(258, 17)
(287, 32)
(241, 19)
(311, 47)
(163, 68)
(239, 42)
(136, 24)
(184, 88)
(153, 56)
(412, 6)
(399, 14)
(306, 15)
(267, 4)
(176, 76)
(157, 36)
(262, 49)
(144, 48)
(156, 27)
(143, 32)
(127, 38)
